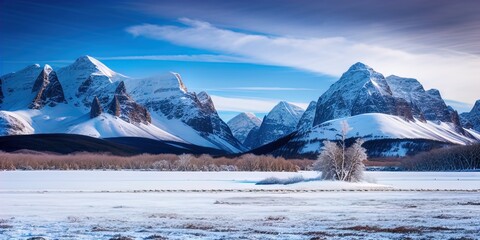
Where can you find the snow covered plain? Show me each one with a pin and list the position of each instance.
(228, 205)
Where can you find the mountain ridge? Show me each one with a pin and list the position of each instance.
(91, 89)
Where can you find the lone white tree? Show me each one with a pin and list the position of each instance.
(337, 162)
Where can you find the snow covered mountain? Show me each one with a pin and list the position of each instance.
(242, 124)
(472, 119)
(392, 114)
(393, 135)
(279, 122)
(363, 90)
(88, 98)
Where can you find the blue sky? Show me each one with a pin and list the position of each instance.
(250, 54)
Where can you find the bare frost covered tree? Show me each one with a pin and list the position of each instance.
(184, 162)
(337, 162)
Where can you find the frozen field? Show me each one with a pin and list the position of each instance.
(228, 205)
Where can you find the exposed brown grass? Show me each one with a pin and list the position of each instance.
(383, 162)
(161, 162)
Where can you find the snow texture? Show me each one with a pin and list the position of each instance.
(373, 126)
(228, 205)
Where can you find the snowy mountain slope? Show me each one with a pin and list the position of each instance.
(175, 114)
(472, 119)
(376, 126)
(13, 124)
(167, 98)
(280, 121)
(17, 87)
(107, 126)
(242, 124)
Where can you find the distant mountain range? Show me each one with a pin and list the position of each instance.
(90, 99)
(396, 115)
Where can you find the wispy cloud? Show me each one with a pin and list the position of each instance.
(184, 58)
(247, 104)
(454, 74)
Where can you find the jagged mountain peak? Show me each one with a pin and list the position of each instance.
(206, 101)
(121, 89)
(251, 116)
(245, 117)
(203, 96)
(176, 112)
(47, 69)
(434, 92)
(359, 66)
(88, 77)
(242, 124)
(360, 76)
(286, 107)
(47, 89)
(92, 65)
(28, 70)
(96, 108)
(476, 107)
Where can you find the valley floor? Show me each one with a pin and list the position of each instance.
(228, 205)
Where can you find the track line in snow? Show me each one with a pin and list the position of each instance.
(243, 191)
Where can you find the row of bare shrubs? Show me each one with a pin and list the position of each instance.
(458, 158)
(160, 162)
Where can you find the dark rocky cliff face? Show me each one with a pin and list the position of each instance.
(96, 108)
(114, 107)
(47, 89)
(123, 106)
(219, 127)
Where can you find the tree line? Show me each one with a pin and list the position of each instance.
(457, 158)
(159, 162)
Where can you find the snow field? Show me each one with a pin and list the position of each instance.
(228, 205)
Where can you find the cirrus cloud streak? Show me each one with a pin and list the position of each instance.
(454, 74)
